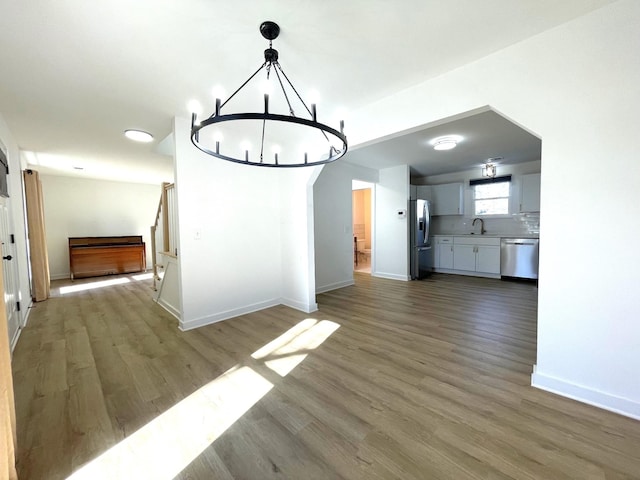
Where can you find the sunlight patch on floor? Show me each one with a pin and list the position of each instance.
(284, 339)
(93, 285)
(166, 445)
(143, 276)
(288, 351)
(170, 442)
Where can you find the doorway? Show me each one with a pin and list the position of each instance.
(362, 226)
(10, 274)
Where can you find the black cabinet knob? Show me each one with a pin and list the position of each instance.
(8, 257)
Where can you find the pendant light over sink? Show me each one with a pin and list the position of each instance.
(490, 168)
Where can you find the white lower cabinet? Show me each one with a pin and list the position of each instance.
(446, 256)
(442, 252)
(468, 255)
(464, 257)
(488, 259)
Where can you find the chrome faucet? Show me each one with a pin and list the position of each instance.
(482, 230)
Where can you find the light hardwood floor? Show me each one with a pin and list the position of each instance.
(422, 380)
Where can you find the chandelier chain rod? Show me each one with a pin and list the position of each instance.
(241, 87)
(264, 122)
(286, 97)
(279, 67)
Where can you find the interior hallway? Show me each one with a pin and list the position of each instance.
(425, 379)
(364, 263)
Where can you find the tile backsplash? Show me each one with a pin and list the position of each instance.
(516, 224)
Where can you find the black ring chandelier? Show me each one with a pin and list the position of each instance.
(320, 143)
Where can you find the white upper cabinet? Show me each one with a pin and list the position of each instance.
(530, 193)
(447, 199)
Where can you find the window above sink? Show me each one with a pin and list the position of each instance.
(491, 199)
(491, 196)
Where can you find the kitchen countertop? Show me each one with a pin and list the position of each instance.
(489, 235)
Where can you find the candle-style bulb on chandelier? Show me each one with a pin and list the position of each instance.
(284, 139)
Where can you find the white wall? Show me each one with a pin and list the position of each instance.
(391, 235)
(576, 87)
(297, 237)
(16, 203)
(254, 242)
(512, 224)
(333, 223)
(77, 207)
(168, 294)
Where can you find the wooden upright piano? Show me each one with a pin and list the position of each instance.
(96, 256)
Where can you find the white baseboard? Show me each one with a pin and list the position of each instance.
(606, 401)
(334, 286)
(218, 317)
(23, 323)
(59, 276)
(27, 313)
(14, 340)
(468, 274)
(391, 276)
(303, 307)
(168, 307)
(236, 312)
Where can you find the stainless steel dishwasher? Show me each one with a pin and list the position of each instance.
(519, 257)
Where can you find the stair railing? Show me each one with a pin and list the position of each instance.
(165, 215)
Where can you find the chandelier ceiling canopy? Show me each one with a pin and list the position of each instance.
(266, 138)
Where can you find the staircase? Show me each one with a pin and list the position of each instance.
(163, 230)
(164, 251)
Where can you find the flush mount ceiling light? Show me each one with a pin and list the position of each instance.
(138, 136)
(305, 141)
(445, 143)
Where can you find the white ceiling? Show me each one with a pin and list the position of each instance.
(75, 74)
(483, 135)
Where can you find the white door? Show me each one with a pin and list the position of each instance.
(9, 272)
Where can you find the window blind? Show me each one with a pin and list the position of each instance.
(485, 181)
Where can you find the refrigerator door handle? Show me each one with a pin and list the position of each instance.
(426, 214)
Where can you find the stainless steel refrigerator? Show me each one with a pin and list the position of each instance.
(420, 248)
